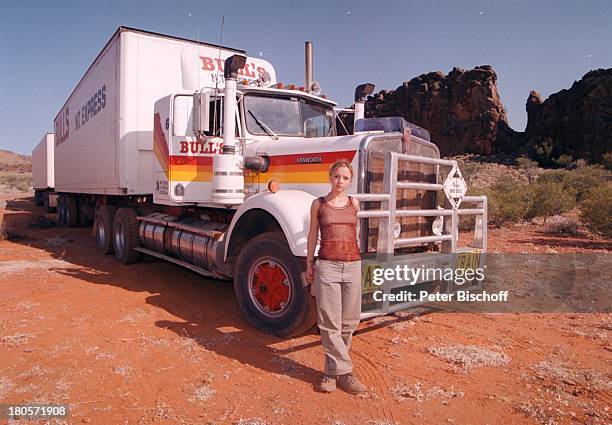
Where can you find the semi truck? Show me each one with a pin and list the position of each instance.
(195, 154)
(43, 173)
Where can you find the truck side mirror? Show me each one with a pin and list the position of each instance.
(200, 112)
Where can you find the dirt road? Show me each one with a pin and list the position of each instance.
(153, 343)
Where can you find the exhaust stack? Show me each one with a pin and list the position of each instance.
(228, 178)
(308, 66)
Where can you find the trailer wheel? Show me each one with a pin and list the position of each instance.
(103, 228)
(61, 209)
(38, 198)
(268, 287)
(125, 236)
(46, 203)
(71, 213)
(84, 219)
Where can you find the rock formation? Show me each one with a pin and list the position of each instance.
(461, 110)
(575, 122)
(464, 114)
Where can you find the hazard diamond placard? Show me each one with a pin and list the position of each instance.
(455, 187)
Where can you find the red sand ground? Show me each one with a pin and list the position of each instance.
(154, 343)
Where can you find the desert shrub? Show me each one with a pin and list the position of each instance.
(509, 201)
(596, 210)
(554, 176)
(549, 198)
(528, 166)
(565, 161)
(578, 181)
(19, 181)
(468, 168)
(559, 225)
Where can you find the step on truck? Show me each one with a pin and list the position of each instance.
(43, 173)
(193, 153)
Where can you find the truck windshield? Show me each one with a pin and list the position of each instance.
(287, 116)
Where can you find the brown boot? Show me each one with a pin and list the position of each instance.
(327, 384)
(350, 384)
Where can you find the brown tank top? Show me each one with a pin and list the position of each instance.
(338, 232)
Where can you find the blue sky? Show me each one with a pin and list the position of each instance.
(545, 45)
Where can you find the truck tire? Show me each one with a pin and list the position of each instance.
(84, 219)
(71, 214)
(38, 198)
(268, 287)
(61, 209)
(103, 228)
(125, 236)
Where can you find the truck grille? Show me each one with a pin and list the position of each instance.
(373, 163)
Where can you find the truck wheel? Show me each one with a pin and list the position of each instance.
(103, 228)
(125, 236)
(268, 287)
(71, 211)
(84, 219)
(61, 209)
(38, 198)
(46, 204)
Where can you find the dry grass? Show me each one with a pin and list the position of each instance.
(21, 182)
(469, 356)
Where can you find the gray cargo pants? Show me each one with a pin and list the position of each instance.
(337, 288)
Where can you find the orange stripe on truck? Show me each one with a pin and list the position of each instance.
(283, 168)
(160, 145)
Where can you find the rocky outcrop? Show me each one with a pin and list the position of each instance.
(462, 110)
(464, 114)
(576, 122)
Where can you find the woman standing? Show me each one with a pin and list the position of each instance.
(336, 278)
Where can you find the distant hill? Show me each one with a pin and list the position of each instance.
(11, 161)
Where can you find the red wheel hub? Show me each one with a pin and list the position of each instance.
(270, 286)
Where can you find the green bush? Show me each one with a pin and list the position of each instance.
(549, 198)
(596, 210)
(508, 201)
(579, 181)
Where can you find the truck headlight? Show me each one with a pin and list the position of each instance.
(437, 225)
(397, 230)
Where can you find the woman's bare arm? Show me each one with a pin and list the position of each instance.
(313, 235)
(313, 231)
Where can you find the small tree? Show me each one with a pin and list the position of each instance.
(529, 167)
(550, 199)
(509, 201)
(596, 210)
(565, 161)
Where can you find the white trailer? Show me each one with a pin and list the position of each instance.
(169, 146)
(43, 180)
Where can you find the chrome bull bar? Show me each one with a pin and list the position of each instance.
(388, 243)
